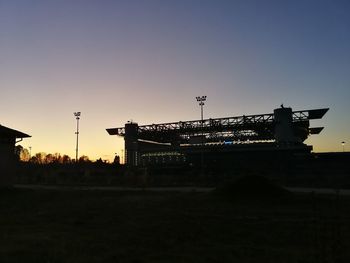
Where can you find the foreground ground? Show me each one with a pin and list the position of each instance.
(107, 226)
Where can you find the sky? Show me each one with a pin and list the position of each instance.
(147, 60)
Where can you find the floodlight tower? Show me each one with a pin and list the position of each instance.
(77, 117)
(201, 100)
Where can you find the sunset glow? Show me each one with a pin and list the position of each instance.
(146, 61)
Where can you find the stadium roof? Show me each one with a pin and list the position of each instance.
(6, 132)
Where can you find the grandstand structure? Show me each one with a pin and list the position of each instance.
(219, 139)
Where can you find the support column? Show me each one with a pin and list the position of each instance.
(284, 133)
(131, 144)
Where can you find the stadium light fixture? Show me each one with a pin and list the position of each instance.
(201, 100)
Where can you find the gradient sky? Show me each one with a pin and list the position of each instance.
(147, 60)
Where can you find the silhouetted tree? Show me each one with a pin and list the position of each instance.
(66, 159)
(57, 158)
(84, 159)
(116, 159)
(49, 158)
(39, 158)
(22, 153)
(99, 161)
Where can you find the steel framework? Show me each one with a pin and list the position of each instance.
(245, 129)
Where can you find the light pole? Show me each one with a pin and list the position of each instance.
(343, 144)
(201, 100)
(77, 117)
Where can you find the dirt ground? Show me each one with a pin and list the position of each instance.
(111, 226)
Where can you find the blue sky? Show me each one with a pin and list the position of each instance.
(147, 60)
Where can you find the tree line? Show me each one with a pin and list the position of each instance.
(23, 154)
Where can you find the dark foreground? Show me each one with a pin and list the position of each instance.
(100, 226)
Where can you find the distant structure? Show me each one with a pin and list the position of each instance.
(251, 136)
(77, 117)
(8, 139)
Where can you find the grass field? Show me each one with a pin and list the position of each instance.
(100, 226)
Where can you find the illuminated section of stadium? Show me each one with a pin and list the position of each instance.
(173, 142)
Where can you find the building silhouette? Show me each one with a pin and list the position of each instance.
(8, 140)
(220, 140)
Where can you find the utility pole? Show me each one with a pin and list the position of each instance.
(77, 116)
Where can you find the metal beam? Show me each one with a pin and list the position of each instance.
(242, 128)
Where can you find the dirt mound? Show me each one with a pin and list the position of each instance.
(254, 187)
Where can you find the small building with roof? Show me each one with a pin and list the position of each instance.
(8, 139)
